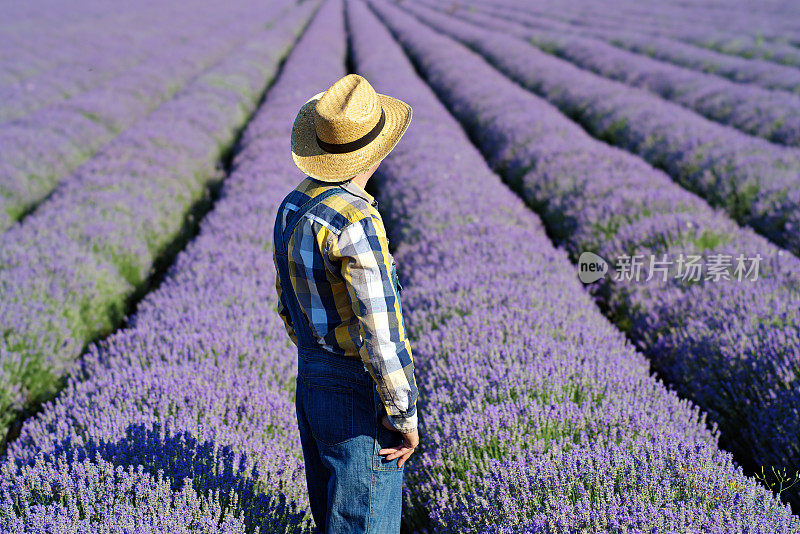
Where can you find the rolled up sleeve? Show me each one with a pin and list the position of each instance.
(363, 250)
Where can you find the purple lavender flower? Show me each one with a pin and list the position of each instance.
(755, 181)
(733, 28)
(70, 270)
(731, 347)
(184, 420)
(40, 150)
(773, 115)
(759, 72)
(61, 61)
(517, 368)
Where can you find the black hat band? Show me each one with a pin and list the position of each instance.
(361, 142)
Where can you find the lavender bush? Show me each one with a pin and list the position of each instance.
(41, 149)
(51, 500)
(747, 108)
(537, 414)
(23, 58)
(688, 25)
(755, 181)
(731, 347)
(773, 23)
(770, 114)
(781, 53)
(89, 56)
(68, 273)
(756, 72)
(185, 420)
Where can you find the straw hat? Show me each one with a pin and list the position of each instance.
(343, 131)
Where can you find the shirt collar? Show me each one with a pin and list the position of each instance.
(351, 187)
(358, 191)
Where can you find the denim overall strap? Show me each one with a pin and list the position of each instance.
(301, 327)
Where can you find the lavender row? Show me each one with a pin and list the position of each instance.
(770, 22)
(755, 181)
(191, 405)
(701, 35)
(745, 43)
(754, 47)
(601, 199)
(517, 368)
(753, 71)
(731, 22)
(773, 115)
(138, 38)
(32, 37)
(68, 273)
(41, 149)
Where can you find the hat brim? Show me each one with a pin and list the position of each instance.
(329, 167)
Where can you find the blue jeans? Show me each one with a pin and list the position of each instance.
(351, 487)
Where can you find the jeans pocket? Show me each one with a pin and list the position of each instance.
(386, 438)
(330, 410)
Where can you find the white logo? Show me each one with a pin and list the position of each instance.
(591, 267)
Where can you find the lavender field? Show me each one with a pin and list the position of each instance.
(595, 215)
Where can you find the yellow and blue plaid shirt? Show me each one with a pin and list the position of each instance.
(340, 268)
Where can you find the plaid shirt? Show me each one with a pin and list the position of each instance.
(340, 267)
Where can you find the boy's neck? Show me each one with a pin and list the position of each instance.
(361, 181)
